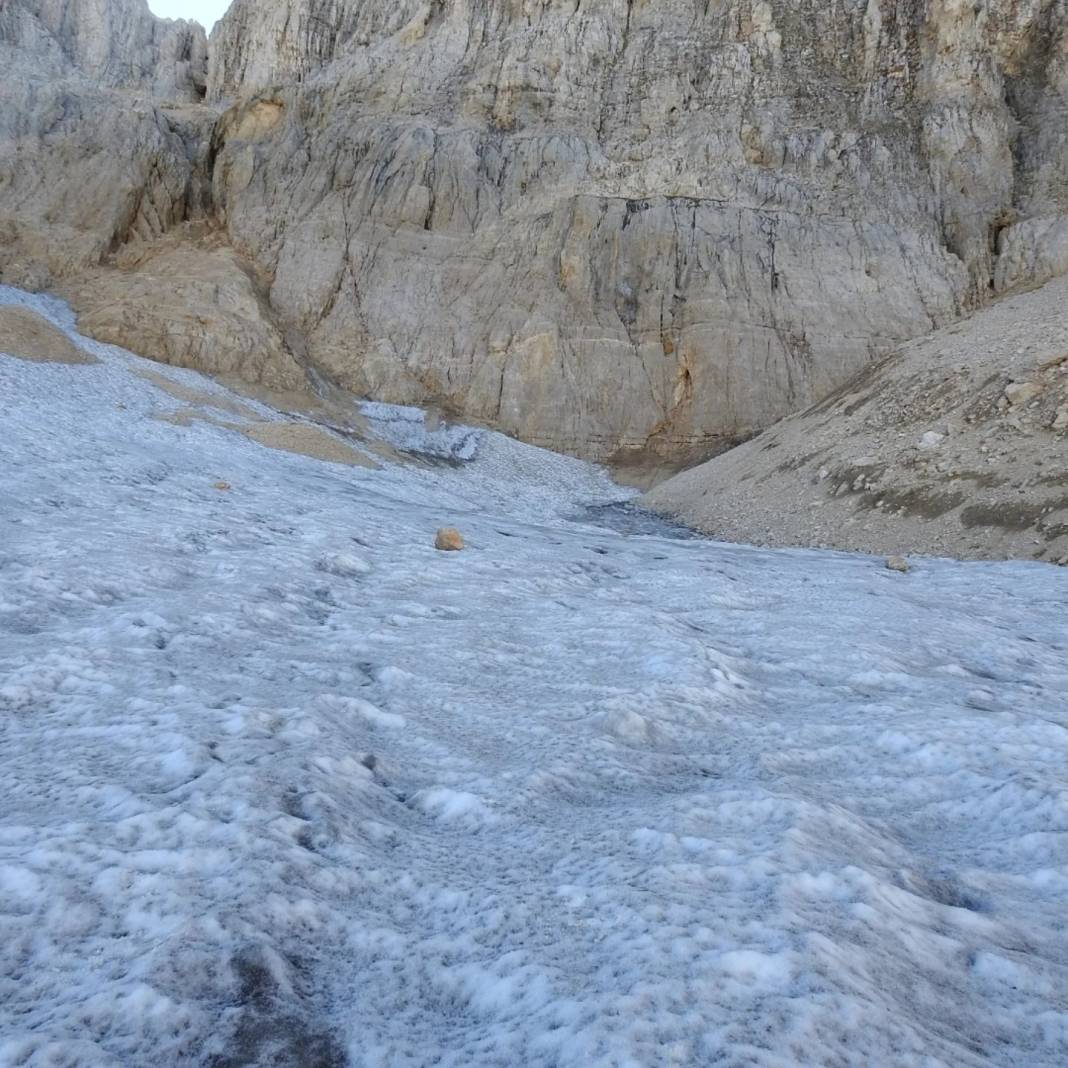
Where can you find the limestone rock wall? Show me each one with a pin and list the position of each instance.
(606, 226)
(105, 187)
(116, 44)
(611, 224)
(88, 156)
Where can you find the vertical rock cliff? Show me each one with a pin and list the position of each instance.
(88, 157)
(105, 182)
(610, 226)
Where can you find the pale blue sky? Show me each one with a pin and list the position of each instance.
(204, 11)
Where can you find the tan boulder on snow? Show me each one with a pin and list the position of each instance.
(449, 539)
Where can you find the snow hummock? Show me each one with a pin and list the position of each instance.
(406, 428)
(284, 785)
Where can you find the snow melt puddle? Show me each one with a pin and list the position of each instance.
(625, 517)
(283, 785)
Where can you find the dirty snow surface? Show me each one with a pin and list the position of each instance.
(283, 785)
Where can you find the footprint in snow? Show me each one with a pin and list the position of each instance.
(344, 565)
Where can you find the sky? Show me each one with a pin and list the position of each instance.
(203, 11)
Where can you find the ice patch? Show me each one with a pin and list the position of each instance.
(413, 430)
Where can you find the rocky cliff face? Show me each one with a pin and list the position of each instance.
(105, 179)
(88, 158)
(116, 44)
(612, 224)
(609, 225)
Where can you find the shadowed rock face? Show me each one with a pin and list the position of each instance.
(611, 225)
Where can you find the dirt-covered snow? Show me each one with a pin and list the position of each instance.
(281, 784)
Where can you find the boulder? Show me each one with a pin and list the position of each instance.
(1021, 393)
(449, 539)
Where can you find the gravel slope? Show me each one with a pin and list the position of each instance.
(957, 445)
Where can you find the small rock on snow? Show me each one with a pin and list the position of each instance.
(449, 539)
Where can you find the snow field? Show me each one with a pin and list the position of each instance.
(283, 784)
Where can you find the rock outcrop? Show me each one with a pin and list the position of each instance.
(608, 227)
(957, 445)
(613, 225)
(105, 187)
(189, 304)
(88, 157)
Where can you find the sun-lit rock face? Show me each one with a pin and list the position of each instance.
(88, 160)
(613, 225)
(603, 226)
(118, 44)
